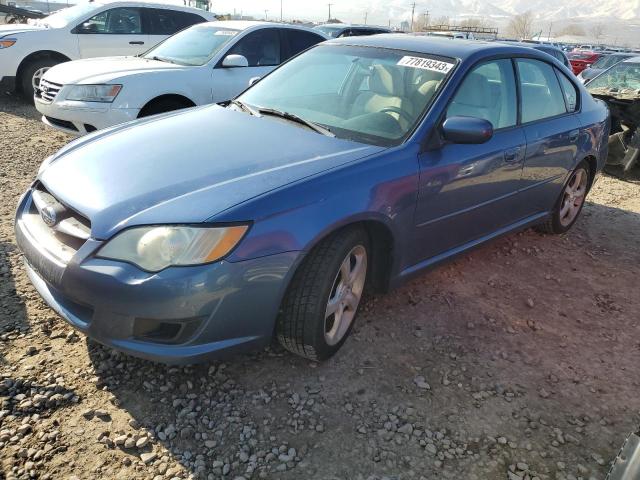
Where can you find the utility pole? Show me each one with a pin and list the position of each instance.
(265, 15)
(426, 19)
(413, 9)
(329, 5)
(549, 36)
(280, 10)
(365, 17)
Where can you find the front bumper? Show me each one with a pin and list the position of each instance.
(80, 118)
(180, 315)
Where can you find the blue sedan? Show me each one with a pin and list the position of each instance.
(350, 168)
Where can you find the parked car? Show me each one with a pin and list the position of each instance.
(603, 63)
(338, 30)
(204, 231)
(206, 63)
(582, 59)
(546, 48)
(91, 29)
(619, 87)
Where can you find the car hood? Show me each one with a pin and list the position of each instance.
(105, 69)
(18, 28)
(186, 166)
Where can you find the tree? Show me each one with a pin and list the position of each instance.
(573, 30)
(597, 31)
(521, 26)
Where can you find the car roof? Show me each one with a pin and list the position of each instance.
(246, 24)
(433, 45)
(169, 6)
(635, 59)
(338, 26)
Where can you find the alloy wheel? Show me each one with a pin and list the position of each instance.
(574, 195)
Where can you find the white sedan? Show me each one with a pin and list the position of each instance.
(207, 63)
(90, 29)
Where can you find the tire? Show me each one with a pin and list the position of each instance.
(162, 106)
(570, 202)
(303, 326)
(38, 66)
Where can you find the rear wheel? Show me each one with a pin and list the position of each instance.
(570, 203)
(322, 301)
(33, 73)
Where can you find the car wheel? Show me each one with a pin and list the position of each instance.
(321, 304)
(33, 73)
(162, 106)
(570, 203)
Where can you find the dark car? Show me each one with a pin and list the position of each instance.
(548, 49)
(352, 167)
(339, 30)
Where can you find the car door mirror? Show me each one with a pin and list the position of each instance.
(253, 81)
(467, 130)
(232, 61)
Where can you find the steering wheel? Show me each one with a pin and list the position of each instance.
(399, 111)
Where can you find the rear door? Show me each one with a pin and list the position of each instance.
(160, 23)
(115, 31)
(263, 50)
(470, 191)
(548, 102)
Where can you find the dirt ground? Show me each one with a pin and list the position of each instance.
(517, 361)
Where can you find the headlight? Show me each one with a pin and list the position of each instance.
(94, 93)
(6, 42)
(158, 247)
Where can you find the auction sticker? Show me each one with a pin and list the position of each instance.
(426, 64)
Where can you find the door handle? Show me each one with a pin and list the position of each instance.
(512, 155)
(573, 135)
(136, 43)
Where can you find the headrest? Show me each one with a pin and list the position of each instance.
(475, 92)
(385, 81)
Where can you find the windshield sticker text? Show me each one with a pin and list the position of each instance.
(426, 64)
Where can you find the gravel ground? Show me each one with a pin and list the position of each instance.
(517, 361)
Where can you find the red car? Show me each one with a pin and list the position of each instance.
(582, 59)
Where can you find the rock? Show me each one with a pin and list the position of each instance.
(407, 429)
(88, 413)
(530, 303)
(120, 439)
(431, 448)
(421, 383)
(148, 457)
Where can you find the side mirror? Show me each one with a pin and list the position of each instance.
(232, 61)
(253, 80)
(469, 130)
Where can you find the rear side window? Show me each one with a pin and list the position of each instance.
(261, 48)
(570, 92)
(299, 40)
(488, 92)
(168, 22)
(540, 92)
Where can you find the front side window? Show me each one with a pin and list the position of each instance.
(261, 48)
(370, 95)
(168, 22)
(540, 92)
(193, 46)
(488, 92)
(118, 21)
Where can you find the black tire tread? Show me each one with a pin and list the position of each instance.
(305, 294)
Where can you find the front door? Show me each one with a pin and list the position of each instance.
(113, 32)
(468, 192)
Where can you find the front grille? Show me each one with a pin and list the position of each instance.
(47, 91)
(54, 226)
(61, 123)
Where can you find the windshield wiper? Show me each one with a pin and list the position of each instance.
(295, 118)
(162, 59)
(245, 107)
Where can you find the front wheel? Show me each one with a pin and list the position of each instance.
(32, 75)
(320, 306)
(570, 203)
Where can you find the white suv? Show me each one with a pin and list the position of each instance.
(86, 30)
(206, 63)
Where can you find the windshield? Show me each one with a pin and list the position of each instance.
(193, 46)
(331, 31)
(608, 61)
(623, 76)
(64, 17)
(370, 95)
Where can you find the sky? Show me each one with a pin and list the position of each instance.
(378, 12)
